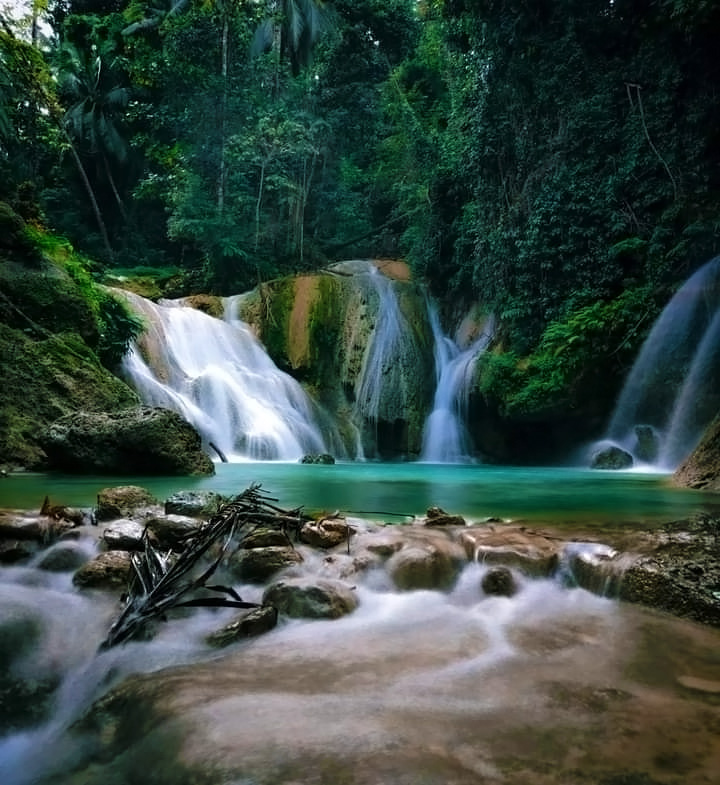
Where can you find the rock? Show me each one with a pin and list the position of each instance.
(326, 533)
(249, 625)
(499, 581)
(124, 535)
(256, 565)
(170, 532)
(647, 445)
(122, 502)
(517, 547)
(322, 458)
(612, 457)
(63, 557)
(194, 504)
(423, 566)
(702, 468)
(593, 566)
(14, 551)
(436, 516)
(140, 440)
(32, 529)
(263, 538)
(304, 598)
(109, 570)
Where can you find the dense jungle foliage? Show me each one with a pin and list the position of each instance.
(557, 161)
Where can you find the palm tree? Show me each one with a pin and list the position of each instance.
(89, 81)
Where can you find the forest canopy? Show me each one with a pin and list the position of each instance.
(557, 161)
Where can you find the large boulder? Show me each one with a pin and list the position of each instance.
(140, 440)
(702, 468)
(303, 598)
(612, 457)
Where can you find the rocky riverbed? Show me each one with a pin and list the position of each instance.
(356, 623)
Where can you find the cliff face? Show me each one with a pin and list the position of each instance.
(357, 336)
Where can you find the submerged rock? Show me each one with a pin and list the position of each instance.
(64, 557)
(499, 581)
(424, 566)
(322, 458)
(248, 625)
(140, 440)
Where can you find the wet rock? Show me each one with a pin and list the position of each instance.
(647, 445)
(264, 538)
(138, 440)
(257, 565)
(123, 501)
(321, 458)
(593, 566)
(522, 549)
(63, 557)
(424, 566)
(193, 504)
(248, 625)
(436, 516)
(123, 535)
(14, 551)
(612, 457)
(170, 532)
(326, 533)
(304, 598)
(109, 570)
(32, 529)
(499, 581)
(702, 468)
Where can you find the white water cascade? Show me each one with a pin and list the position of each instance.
(218, 376)
(445, 437)
(673, 385)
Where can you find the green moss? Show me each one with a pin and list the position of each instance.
(277, 299)
(325, 332)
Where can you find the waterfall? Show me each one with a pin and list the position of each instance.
(672, 389)
(383, 355)
(445, 437)
(218, 376)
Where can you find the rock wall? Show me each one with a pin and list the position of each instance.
(702, 467)
(319, 327)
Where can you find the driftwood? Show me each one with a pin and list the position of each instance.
(162, 580)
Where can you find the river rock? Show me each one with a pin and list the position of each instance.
(193, 504)
(321, 458)
(169, 532)
(424, 566)
(109, 570)
(256, 565)
(531, 552)
(140, 440)
(326, 533)
(702, 468)
(611, 457)
(248, 625)
(14, 551)
(64, 557)
(499, 581)
(263, 538)
(303, 598)
(123, 535)
(123, 501)
(436, 516)
(647, 443)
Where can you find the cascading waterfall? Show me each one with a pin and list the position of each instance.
(384, 350)
(672, 387)
(218, 376)
(445, 437)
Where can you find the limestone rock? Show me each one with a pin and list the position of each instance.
(499, 581)
(123, 535)
(256, 565)
(169, 532)
(326, 533)
(304, 598)
(702, 468)
(109, 570)
(122, 501)
(248, 625)
(611, 457)
(194, 504)
(520, 548)
(140, 440)
(63, 557)
(436, 516)
(423, 566)
(263, 538)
